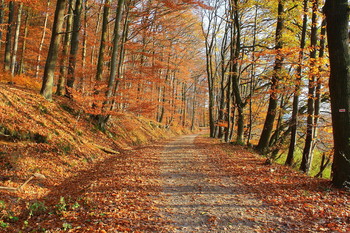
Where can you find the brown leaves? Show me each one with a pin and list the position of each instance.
(302, 203)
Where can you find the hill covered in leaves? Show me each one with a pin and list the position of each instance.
(56, 140)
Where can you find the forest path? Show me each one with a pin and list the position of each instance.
(199, 196)
(188, 184)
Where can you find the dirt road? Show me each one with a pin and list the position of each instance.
(200, 197)
(190, 184)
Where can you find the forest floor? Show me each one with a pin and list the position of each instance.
(188, 184)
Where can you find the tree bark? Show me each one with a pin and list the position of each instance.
(273, 100)
(294, 119)
(72, 61)
(16, 39)
(61, 84)
(42, 40)
(252, 78)
(8, 46)
(113, 65)
(99, 68)
(310, 128)
(84, 47)
(235, 53)
(49, 72)
(1, 19)
(337, 16)
(24, 44)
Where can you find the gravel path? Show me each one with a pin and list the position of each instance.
(199, 197)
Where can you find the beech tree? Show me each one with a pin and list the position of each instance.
(113, 65)
(16, 38)
(8, 46)
(49, 72)
(311, 116)
(72, 61)
(42, 40)
(61, 84)
(210, 32)
(296, 94)
(273, 99)
(337, 16)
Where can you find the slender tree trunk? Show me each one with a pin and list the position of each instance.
(114, 59)
(2, 5)
(194, 104)
(38, 60)
(24, 44)
(210, 34)
(8, 46)
(224, 65)
(61, 84)
(72, 61)
(235, 73)
(320, 69)
(273, 100)
(84, 47)
(294, 120)
(49, 72)
(121, 53)
(16, 39)
(113, 65)
(211, 105)
(228, 109)
(309, 140)
(99, 68)
(96, 31)
(252, 78)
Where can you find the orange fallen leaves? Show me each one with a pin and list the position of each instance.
(302, 203)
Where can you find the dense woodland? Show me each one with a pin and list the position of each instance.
(268, 70)
(255, 72)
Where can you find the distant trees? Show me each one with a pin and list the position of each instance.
(110, 57)
(280, 78)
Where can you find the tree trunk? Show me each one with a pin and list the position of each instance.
(114, 59)
(337, 16)
(24, 44)
(38, 60)
(72, 61)
(121, 58)
(49, 72)
(310, 128)
(16, 39)
(61, 84)
(294, 120)
(194, 104)
(1, 19)
(224, 66)
(252, 78)
(228, 108)
(273, 100)
(92, 59)
(236, 44)
(113, 65)
(8, 46)
(99, 68)
(84, 47)
(210, 34)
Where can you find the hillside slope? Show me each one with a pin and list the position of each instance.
(57, 140)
